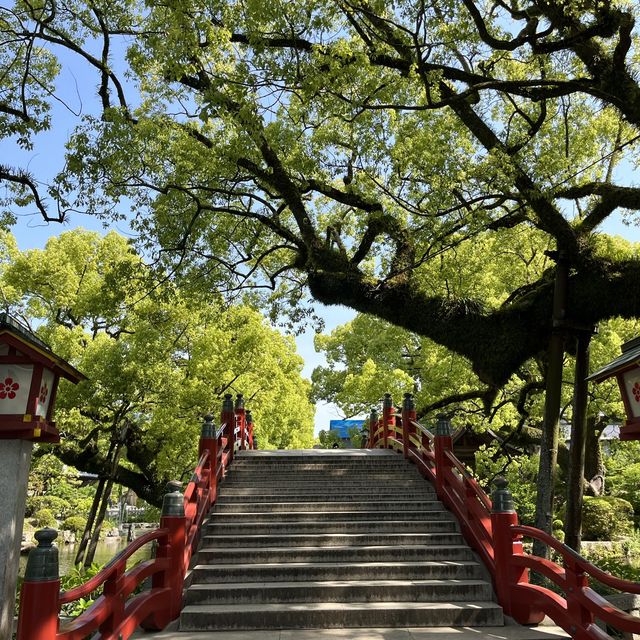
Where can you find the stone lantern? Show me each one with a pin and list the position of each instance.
(29, 376)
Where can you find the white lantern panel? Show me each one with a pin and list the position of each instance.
(632, 389)
(15, 384)
(44, 395)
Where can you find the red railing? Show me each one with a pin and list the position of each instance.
(117, 612)
(491, 528)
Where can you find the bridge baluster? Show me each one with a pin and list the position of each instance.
(228, 419)
(249, 419)
(374, 423)
(39, 605)
(241, 420)
(209, 442)
(442, 444)
(508, 576)
(408, 416)
(388, 419)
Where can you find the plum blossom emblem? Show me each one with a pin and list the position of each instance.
(636, 391)
(8, 389)
(44, 392)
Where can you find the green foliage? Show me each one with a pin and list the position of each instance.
(620, 559)
(623, 473)
(606, 518)
(149, 513)
(44, 518)
(519, 471)
(330, 440)
(155, 358)
(355, 435)
(76, 524)
(76, 577)
(54, 504)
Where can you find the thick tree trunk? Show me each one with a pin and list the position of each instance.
(549, 441)
(594, 464)
(575, 482)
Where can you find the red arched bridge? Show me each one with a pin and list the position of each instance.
(384, 536)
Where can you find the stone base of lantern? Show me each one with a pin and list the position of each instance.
(15, 459)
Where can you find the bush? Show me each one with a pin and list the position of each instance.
(44, 518)
(606, 518)
(58, 506)
(75, 524)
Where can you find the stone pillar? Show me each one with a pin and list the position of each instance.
(15, 459)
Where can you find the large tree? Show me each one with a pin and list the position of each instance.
(340, 146)
(336, 148)
(156, 360)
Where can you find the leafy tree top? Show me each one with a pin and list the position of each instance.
(342, 149)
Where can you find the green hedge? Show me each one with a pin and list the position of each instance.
(606, 518)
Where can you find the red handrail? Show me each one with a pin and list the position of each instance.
(497, 537)
(115, 615)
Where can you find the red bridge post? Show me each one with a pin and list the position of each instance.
(249, 419)
(209, 442)
(241, 420)
(172, 547)
(408, 417)
(229, 420)
(442, 445)
(388, 419)
(507, 576)
(39, 605)
(374, 421)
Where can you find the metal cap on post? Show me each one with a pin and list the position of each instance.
(42, 563)
(208, 429)
(387, 401)
(408, 404)
(173, 501)
(227, 403)
(443, 425)
(239, 401)
(501, 497)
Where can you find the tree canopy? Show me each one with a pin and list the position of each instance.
(339, 149)
(156, 359)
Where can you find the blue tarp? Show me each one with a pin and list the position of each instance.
(341, 427)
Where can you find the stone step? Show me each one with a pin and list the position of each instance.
(309, 571)
(445, 524)
(335, 516)
(376, 505)
(338, 615)
(340, 591)
(320, 472)
(227, 497)
(372, 553)
(300, 486)
(332, 540)
(250, 539)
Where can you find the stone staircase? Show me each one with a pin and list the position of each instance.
(324, 539)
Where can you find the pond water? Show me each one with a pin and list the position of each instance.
(105, 550)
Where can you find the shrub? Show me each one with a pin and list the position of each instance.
(58, 506)
(75, 524)
(606, 518)
(44, 518)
